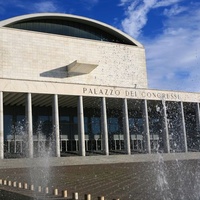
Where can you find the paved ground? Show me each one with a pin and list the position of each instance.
(158, 180)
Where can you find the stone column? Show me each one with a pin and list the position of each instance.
(56, 131)
(104, 127)
(146, 126)
(126, 127)
(165, 129)
(81, 129)
(29, 123)
(183, 131)
(1, 127)
(198, 118)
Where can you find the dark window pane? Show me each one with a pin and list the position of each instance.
(69, 28)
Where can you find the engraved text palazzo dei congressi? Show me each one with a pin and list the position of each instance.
(131, 93)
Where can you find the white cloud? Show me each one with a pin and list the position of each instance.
(173, 58)
(89, 4)
(136, 13)
(174, 10)
(123, 2)
(165, 3)
(136, 17)
(30, 7)
(45, 6)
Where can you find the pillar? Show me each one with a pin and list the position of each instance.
(1, 127)
(29, 122)
(104, 127)
(198, 121)
(183, 131)
(81, 130)
(165, 129)
(56, 131)
(126, 127)
(146, 126)
(198, 117)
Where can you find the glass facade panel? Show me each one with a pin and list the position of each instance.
(69, 28)
(191, 125)
(75, 126)
(115, 125)
(136, 126)
(155, 112)
(92, 120)
(115, 132)
(96, 125)
(14, 131)
(46, 125)
(175, 126)
(8, 122)
(64, 125)
(42, 130)
(16, 137)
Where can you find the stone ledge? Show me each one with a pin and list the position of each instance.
(91, 160)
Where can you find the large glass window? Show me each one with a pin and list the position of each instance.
(69, 28)
(175, 126)
(75, 125)
(46, 124)
(113, 125)
(192, 126)
(136, 125)
(96, 125)
(14, 130)
(64, 125)
(155, 112)
(8, 121)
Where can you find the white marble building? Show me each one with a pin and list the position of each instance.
(79, 86)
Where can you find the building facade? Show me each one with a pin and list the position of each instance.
(74, 85)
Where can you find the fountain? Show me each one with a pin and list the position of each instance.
(177, 179)
(162, 184)
(39, 175)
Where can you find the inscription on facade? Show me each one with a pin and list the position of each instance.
(171, 96)
(128, 93)
(104, 92)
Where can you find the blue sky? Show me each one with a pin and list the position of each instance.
(168, 29)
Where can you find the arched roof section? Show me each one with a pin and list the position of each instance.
(71, 25)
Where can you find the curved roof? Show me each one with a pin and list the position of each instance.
(97, 26)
